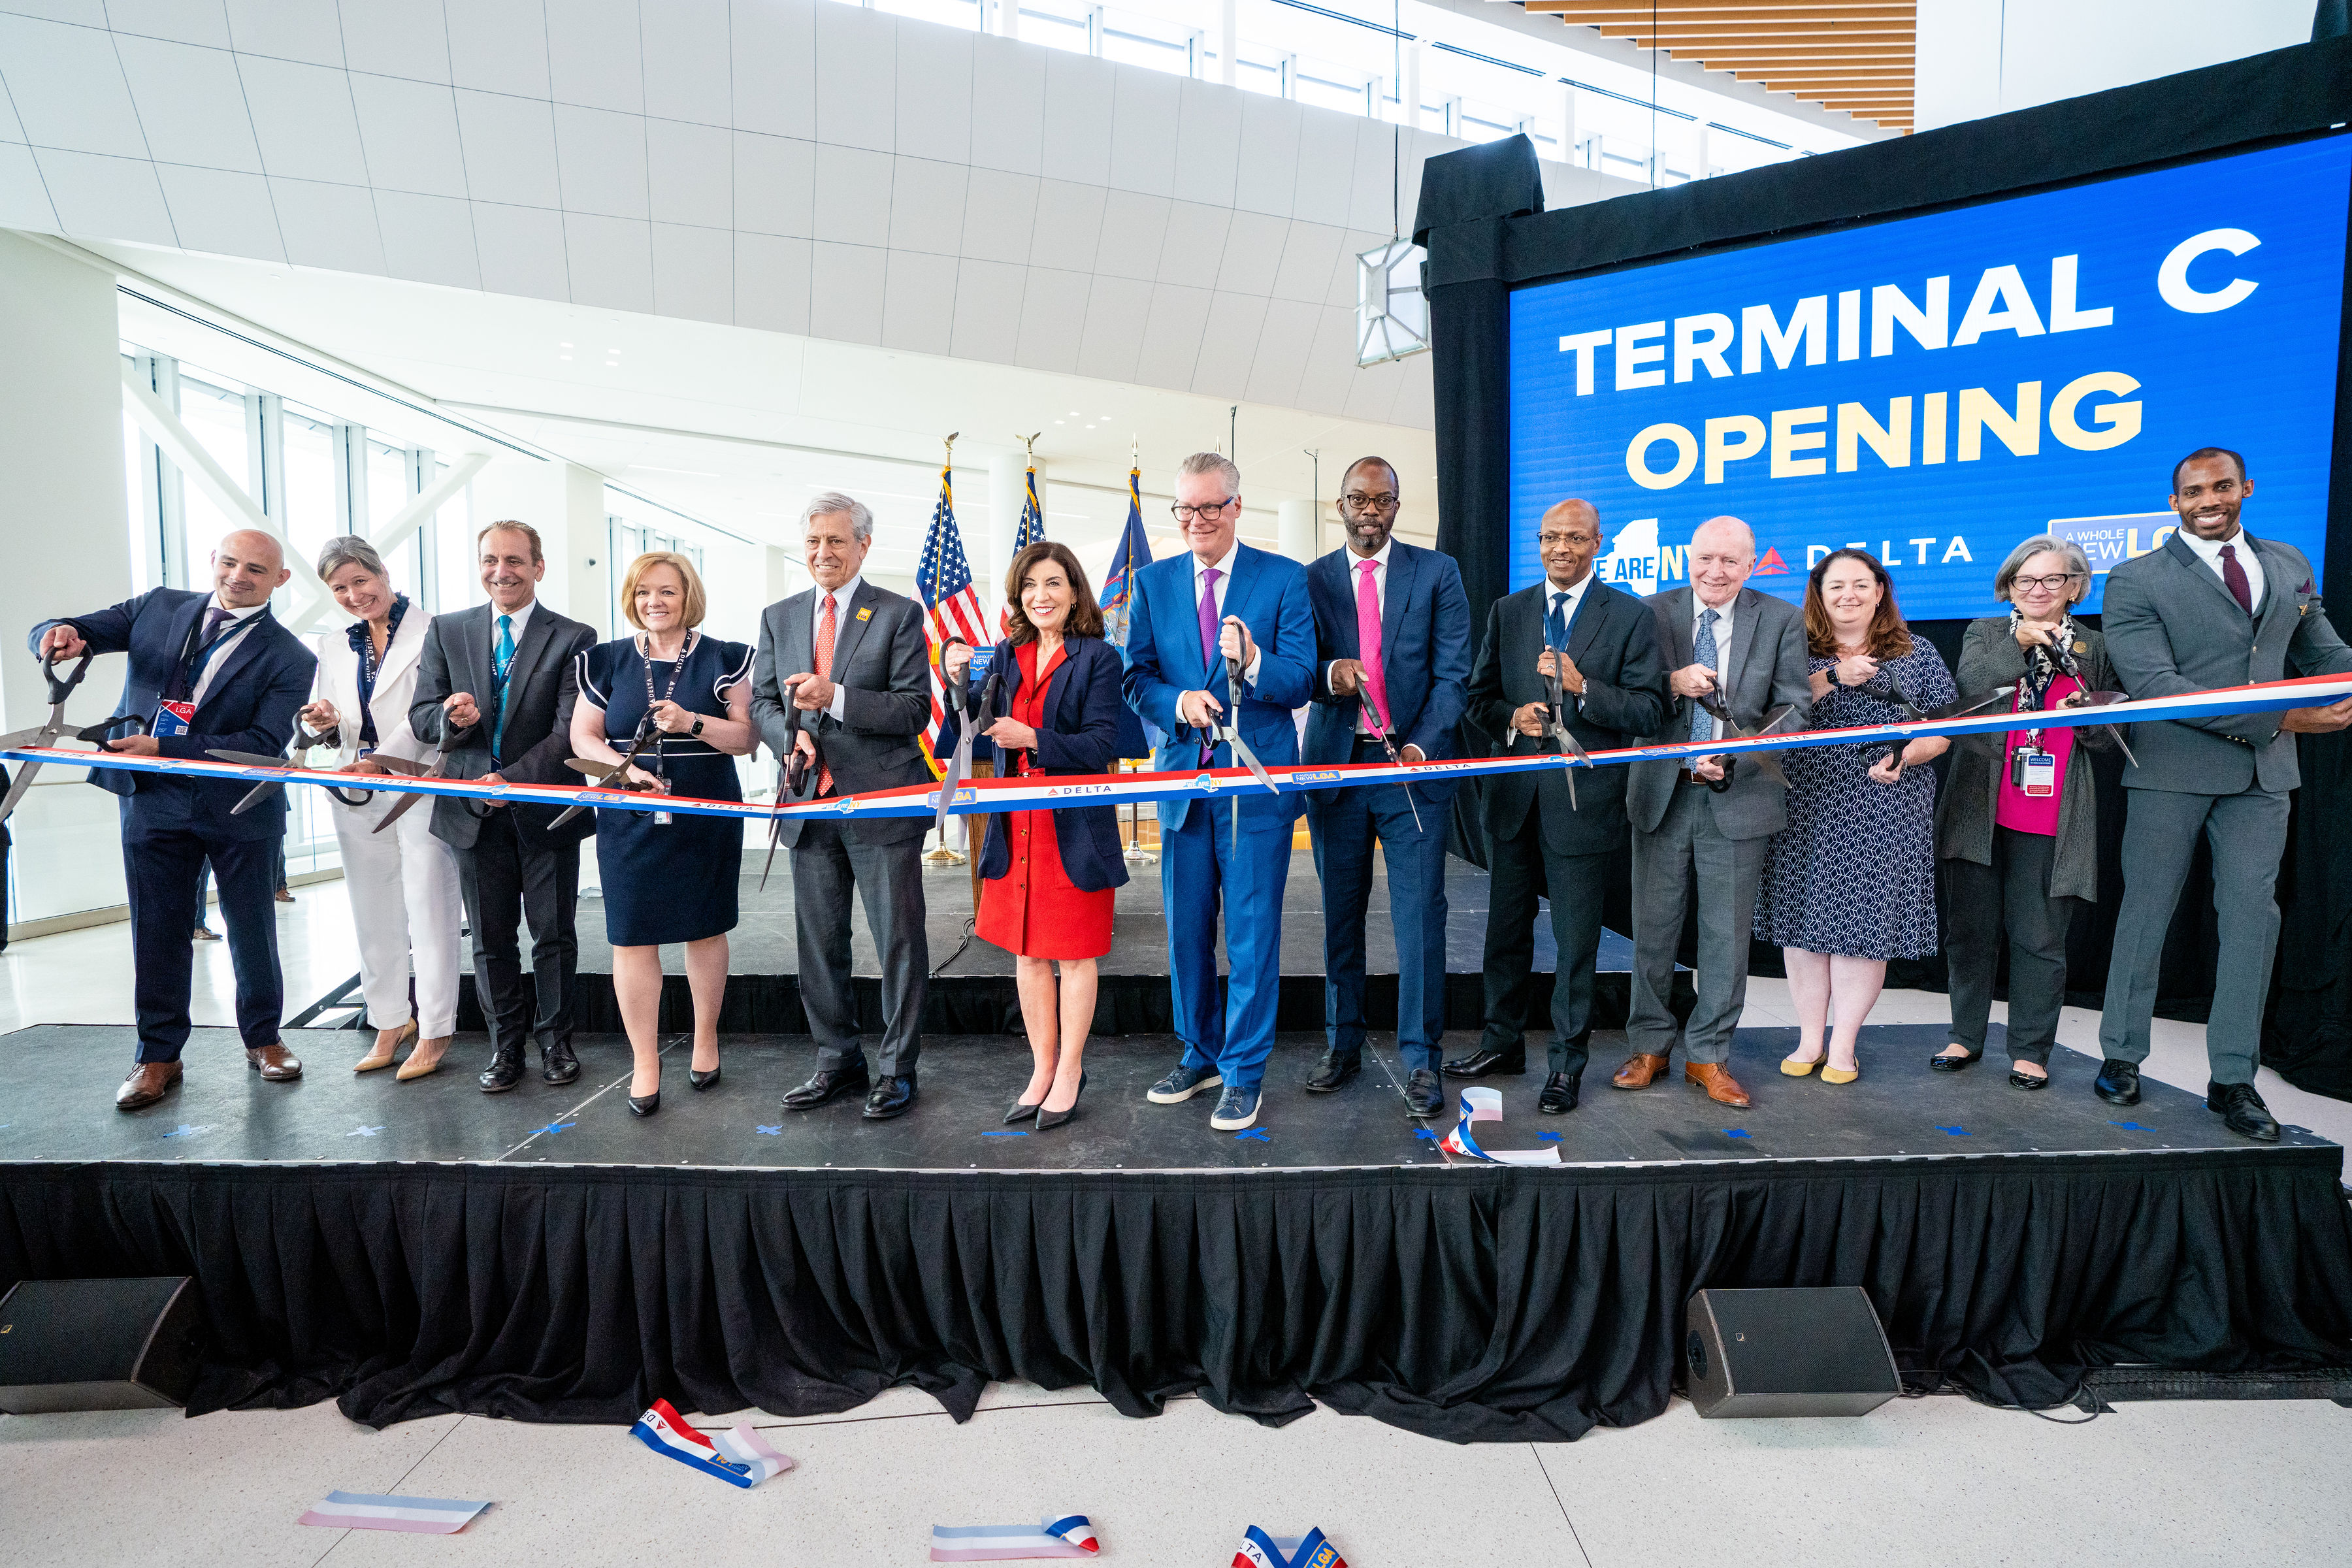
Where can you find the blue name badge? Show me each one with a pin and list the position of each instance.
(172, 719)
(980, 660)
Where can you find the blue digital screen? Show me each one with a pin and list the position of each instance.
(1937, 388)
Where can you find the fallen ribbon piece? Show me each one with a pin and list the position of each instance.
(385, 1510)
(1486, 1105)
(1259, 1550)
(740, 1458)
(1072, 1535)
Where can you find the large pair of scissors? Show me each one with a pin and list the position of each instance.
(1378, 721)
(1556, 725)
(1960, 708)
(799, 771)
(1225, 729)
(1768, 763)
(612, 776)
(304, 739)
(959, 693)
(53, 729)
(2083, 696)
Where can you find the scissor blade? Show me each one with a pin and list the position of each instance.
(1965, 706)
(16, 790)
(254, 798)
(620, 769)
(775, 837)
(256, 760)
(439, 769)
(40, 735)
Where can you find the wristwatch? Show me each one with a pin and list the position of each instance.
(697, 728)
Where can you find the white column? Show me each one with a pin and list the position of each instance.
(1295, 529)
(1411, 105)
(1228, 36)
(1567, 127)
(347, 444)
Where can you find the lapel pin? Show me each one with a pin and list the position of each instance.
(865, 613)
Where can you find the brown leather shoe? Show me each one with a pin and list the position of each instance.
(275, 1063)
(1720, 1086)
(148, 1083)
(1640, 1070)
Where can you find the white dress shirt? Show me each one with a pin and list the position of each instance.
(1699, 607)
(239, 622)
(1379, 563)
(1224, 567)
(2209, 552)
(842, 597)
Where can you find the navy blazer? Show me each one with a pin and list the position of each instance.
(1425, 655)
(260, 683)
(1081, 736)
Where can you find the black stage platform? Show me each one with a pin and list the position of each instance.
(414, 1248)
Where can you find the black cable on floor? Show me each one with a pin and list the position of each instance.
(951, 958)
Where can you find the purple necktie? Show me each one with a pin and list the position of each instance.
(1209, 660)
(2233, 577)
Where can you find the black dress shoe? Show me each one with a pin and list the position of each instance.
(825, 1083)
(2026, 1081)
(1333, 1072)
(505, 1071)
(1483, 1061)
(1050, 1119)
(2243, 1110)
(891, 1097)
(2118, 1082)
(1423, 1095)
(1954, 1064)
(644, 1104)
(557, 1064)
(1558, 1097)
(1022, 1110)
(700, 1079)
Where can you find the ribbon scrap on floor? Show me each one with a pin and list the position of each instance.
(740, 1458)
(1486, 1105)
(1069, 1536)
(1259, 1550)
(386, 1510)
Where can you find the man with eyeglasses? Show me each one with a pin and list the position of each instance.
(2213, 607)
(1602, 643)
(1222, 604)
(1391, 664)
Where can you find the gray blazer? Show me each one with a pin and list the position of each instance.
(1765, 668)
(882, 661)
(542, 685)
(1990, 656)
(2173, 629)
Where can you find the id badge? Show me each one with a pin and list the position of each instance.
(661, 819)
(2034, 772)
(172, 719)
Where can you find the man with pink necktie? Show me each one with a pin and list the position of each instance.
(1392, 640)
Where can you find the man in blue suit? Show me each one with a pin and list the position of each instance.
(1192, 612)
(1393, 643)
(207, 670)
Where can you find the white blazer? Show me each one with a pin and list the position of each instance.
(338, 682)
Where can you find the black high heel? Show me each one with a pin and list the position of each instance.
(1021, 1111)
(645, 1104)
(1056, 1118)
(698, 1078)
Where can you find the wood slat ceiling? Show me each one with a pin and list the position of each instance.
(1853, 57)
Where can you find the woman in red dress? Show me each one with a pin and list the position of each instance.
(1049, 876)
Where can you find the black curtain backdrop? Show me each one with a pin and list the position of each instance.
(1475, 1305)
(1484, 239)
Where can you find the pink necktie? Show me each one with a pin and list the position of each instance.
(1368, 640)
(1209, 660)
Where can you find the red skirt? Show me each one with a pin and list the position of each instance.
(1032, 910)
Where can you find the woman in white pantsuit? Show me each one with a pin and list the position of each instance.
(403, 881)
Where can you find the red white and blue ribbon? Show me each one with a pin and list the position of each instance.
(387, 1510)
(1259, 1550)
(1069, 1536)
(740, 1458)
(1486, 1105)
(1051, 792)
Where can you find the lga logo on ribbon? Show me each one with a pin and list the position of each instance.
(740, 1458)
(1072, 1535)
(1259, 1550)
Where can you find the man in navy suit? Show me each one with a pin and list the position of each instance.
(1221, 601)
(1393, 644)
(208, 670)
(1603, 643)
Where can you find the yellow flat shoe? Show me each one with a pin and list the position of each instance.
(1796, 1068)
(1838, 1075)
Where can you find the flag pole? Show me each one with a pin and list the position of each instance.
(1135, 854)
(943, 854)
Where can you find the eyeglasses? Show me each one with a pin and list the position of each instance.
(1357, 501)
(2050, 585)
(1212, 512)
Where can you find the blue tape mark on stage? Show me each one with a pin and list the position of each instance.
(1952, 1131)
(1017, 1133)
(1260, 1134)
(185, 1131)
(552, 1128)
(2131, 1126)
(1547, 1137)
(775, 1131)
(364, 1132)
(1425, 1132)
(1737, 1133)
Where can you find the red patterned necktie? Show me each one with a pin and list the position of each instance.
(826, 624)
(2235, 576)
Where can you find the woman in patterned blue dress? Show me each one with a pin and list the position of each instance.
(1850, 881)
(667, 877)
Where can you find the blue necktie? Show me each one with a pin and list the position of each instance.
(502, 658)
(1701, 725)
(1556, 624)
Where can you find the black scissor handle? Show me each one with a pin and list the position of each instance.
(61, 689)
(103, 730)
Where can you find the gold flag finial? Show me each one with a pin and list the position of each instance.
(1030, 444)
(950, 444)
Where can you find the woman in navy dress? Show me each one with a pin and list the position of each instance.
(669, 877)
(1850, 881)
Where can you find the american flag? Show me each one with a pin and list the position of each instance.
(1032, 531)
(951, 608)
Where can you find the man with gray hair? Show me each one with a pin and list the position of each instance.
(853, 696)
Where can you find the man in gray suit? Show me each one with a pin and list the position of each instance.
(854, 695)
(2214, 606)
(1709, 819)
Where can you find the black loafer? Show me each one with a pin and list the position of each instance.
(1558, 1097)
(2026, 1081)
(1954, 1064)
(557, 1064)
(1483, 1061)
(2118, 1082)
(1333, 1072)
(504, 1072)
(2243, 1111)
(891, 1097)
(824, 1084)
(1423, 1094)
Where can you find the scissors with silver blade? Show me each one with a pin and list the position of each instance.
(798, 767)
(1960, 708)
(1767, 763)
(304, 739)
(53, 729)
(614, 776)
(960, 763)
(1225, 728)
(1556, 728)
(1373, 717)
(2085, 697)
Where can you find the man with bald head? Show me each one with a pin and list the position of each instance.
(1602, 645)
(1705, 823)
(208, 670)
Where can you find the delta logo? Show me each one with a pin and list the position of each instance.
(1770, 564)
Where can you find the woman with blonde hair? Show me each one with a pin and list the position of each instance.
(667, 877)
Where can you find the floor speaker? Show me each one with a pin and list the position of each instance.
(1812, 1352)
(97, 1345)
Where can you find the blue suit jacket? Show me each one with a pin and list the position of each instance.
(1080, 736)
(1425, 655)
(260, 683)
(1163, 658)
